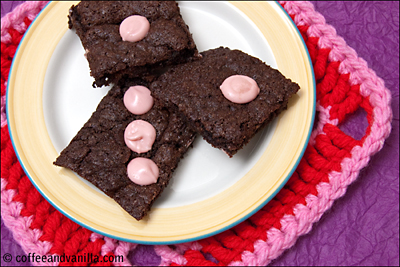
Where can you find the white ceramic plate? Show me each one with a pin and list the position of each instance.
(47, 105)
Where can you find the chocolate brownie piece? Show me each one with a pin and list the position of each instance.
(110, 58)
(99, 154)
(193, 89)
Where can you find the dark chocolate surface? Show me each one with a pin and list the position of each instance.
(97, 25)
(193, 90)
(99, 154)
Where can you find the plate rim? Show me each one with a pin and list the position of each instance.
(190, 239)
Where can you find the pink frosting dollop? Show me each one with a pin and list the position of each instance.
(139, 136)
(240, 89)
(142, 171)
(138, 99)
(134, 28)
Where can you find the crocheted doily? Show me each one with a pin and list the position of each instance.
(330, 163)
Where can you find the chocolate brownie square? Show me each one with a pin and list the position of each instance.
(99, 154)
(193, 89)
(167, 42)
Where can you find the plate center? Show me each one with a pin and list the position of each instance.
(69, 100)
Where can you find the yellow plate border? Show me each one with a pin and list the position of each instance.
(293, 61)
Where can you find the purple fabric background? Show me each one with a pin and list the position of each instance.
(361, 228)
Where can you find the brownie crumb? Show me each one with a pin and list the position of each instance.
(168, 41)
(192, 89)
(98, 152)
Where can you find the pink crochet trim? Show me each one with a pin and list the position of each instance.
(19, 225)
(15, 19)
(3, 111)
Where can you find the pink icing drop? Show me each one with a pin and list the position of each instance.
(139, 136)
(142, 171)
(134, 28)
(240, 89)
(138, 99)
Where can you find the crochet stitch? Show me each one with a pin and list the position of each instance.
(331, 162)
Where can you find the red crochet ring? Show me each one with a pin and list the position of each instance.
(331, 162)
